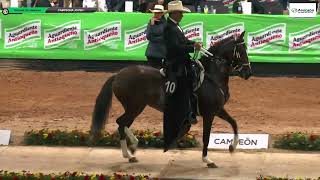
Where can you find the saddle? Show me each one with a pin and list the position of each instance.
(197, 71)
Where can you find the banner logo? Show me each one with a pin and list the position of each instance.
(228, 3)
(0, 28)
(305, 39)
(135, 38)
(102, 35)
(274, 35)
(216, 36)
(194, 31)
(62, 34)
(22, 34)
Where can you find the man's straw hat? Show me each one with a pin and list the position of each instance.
(176, 6)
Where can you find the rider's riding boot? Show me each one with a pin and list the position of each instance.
(192, 116)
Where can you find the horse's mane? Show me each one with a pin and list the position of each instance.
(213, 49)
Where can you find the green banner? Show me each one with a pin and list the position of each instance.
(122, 36)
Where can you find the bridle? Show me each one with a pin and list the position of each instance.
(236, 57)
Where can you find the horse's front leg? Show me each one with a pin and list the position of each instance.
(207, 124)
(223, 114)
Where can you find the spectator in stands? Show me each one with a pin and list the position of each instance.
(257, 8)
(119, 5)
(156, 50)
(61, 3)
(40, 3)
(284, 4)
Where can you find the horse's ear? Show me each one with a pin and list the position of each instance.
(242, 35)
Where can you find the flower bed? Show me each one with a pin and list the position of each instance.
(299, 141)
(24, 175)
(284, 178)
(146, 138)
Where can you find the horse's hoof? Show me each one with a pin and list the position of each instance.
(231, 149)
(133, 160)
(133, 149)
(212, 165)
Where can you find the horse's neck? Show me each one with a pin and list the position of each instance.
(223, 81)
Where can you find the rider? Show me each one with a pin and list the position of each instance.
(156, 50)
(178, 110)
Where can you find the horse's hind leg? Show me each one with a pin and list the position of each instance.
(125, 121)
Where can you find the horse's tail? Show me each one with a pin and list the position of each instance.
(101, 109)
(225, 116)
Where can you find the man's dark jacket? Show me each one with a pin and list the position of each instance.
(178, 46)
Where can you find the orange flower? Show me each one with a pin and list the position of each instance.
(313, 137)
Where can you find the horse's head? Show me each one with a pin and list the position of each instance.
(231, 56)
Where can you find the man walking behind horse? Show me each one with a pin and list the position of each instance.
(179, 111)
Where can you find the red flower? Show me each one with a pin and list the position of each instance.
(313, 137)
(288, 136)
(52, 178)
(118, 176)
(157, 134)
(101, 177)
(132, 177)
(50, 135)
(86, 177)
(82, 138)
(15, 178)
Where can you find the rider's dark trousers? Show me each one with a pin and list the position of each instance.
(154, 62)
(177, 107)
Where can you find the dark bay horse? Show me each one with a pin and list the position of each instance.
(138, 86)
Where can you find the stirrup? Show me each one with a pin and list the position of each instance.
(163, 72)
(192, 118)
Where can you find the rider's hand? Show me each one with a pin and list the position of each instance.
(153, 20)
(197, 46)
